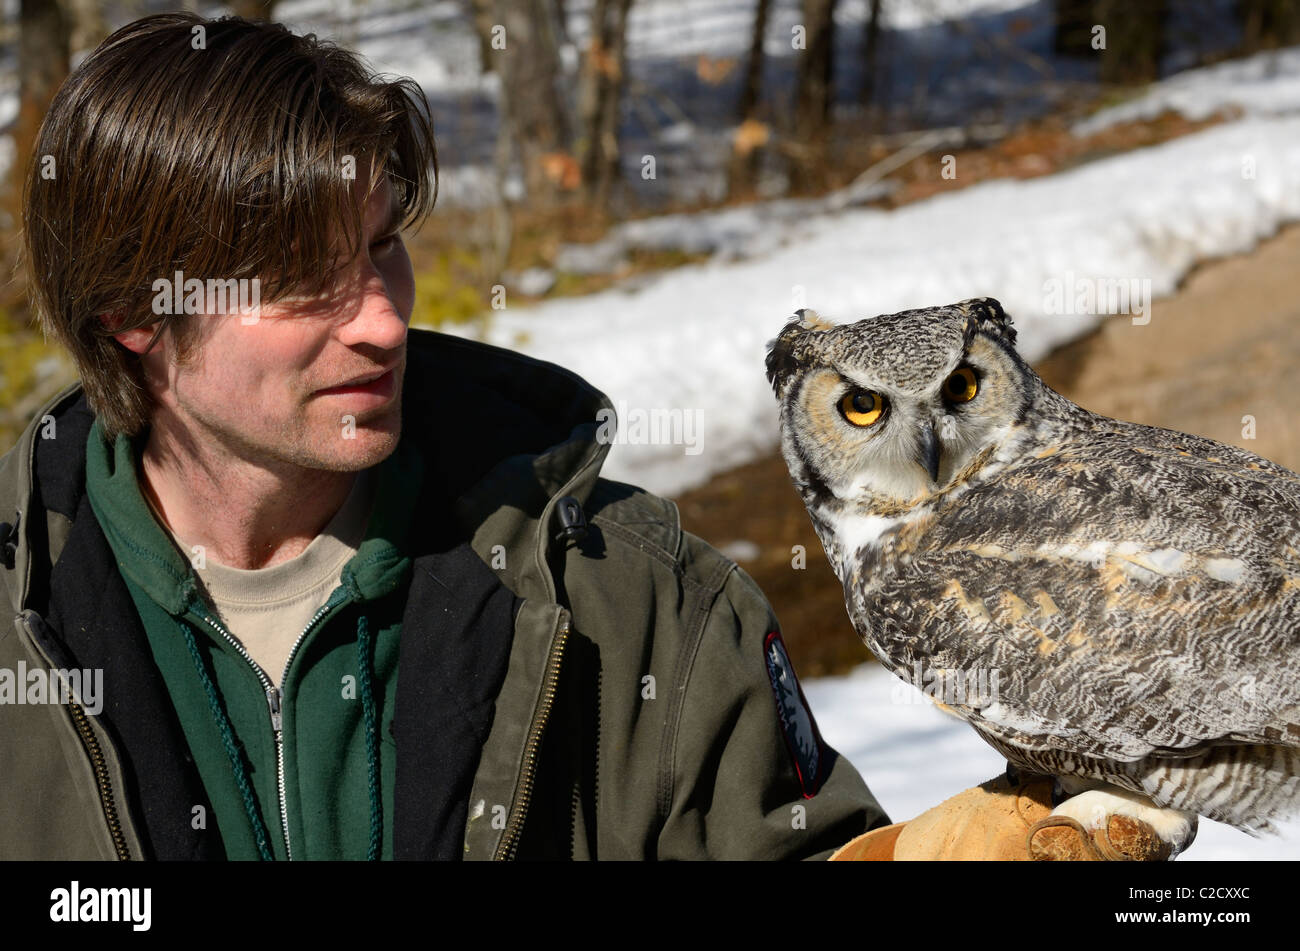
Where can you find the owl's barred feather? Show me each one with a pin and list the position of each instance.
(1136, 590)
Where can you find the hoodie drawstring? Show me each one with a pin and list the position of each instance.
(365, 658)
(232, 749)
(365, 663)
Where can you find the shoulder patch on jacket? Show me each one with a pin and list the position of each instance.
(802, 738)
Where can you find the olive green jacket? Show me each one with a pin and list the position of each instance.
(645, 708)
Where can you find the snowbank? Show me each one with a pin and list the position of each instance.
(1266, 84)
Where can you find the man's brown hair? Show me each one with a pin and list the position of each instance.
(218, 148)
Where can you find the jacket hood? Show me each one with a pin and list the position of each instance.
(504, 438)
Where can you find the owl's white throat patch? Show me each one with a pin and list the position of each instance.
(855, 532)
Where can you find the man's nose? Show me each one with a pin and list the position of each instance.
(377, 320)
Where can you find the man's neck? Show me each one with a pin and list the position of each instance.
(244, 515)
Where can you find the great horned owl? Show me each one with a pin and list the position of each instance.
(1122, 602)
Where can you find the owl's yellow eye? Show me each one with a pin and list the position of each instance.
(862, 407)
(960, 387)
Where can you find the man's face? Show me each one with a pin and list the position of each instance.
(271, 389)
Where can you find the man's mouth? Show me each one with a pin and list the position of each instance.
(382, 384)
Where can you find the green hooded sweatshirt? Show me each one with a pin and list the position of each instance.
(308, 783)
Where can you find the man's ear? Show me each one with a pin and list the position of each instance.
(136, 340)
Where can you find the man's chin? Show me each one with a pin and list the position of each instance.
(359, 444)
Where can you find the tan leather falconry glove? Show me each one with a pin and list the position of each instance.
(1000, 821)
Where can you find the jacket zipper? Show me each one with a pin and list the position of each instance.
(510, 838)
(274, 697)
(102, 780)
(98, 763)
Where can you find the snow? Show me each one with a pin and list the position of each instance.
(913, 756)
(739, 232)
(1266, 84)
(742, 549)
(671, 28)
(694, 338)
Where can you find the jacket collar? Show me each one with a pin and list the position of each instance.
(539, 445)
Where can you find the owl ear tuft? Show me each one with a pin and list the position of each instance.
(986, 313)
(811, 320)
(787, 352)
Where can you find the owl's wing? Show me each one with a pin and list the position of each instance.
(1133, 591)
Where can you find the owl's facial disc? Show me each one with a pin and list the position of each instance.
(865, 408)
(879, 437)
(855, 434)
(888, 413)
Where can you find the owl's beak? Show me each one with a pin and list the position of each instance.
(928, 455)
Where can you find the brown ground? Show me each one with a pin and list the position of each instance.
(1226, 346)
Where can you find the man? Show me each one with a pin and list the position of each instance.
(317, 586)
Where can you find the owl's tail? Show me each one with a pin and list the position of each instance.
(1251, 787)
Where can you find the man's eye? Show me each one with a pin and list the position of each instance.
(384, 244)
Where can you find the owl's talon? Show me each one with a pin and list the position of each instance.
(1128, 826)
(1061, 839)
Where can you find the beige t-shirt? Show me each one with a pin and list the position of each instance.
(267, 609)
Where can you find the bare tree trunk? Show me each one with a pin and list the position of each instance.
(814, 93)
(591, 83)
(43, 51)
(86, 26)
(870, 55)
(502, 226)
(746, 148)
(603, 81)
(481, 15)
(561, 20)
(1072, 30)
(1268, 24)
(501, 220)
(753, 82)
(519, 42)
(1135, 39)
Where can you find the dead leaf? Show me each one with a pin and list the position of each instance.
(714, 71)
(561, 169)
(749, 135)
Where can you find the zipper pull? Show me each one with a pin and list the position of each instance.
(273, 701)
